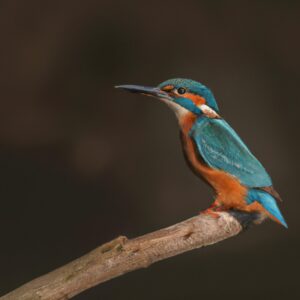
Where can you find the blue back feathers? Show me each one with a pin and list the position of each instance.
(195, 88)
(221, 148)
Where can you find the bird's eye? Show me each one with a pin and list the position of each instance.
(181, 90)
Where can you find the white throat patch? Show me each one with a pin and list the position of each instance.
(178, 109)
(209, 112)
(182, 112)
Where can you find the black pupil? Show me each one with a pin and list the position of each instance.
(181, 91)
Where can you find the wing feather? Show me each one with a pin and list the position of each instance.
(221, 148)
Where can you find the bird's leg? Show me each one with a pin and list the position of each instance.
(213, 210)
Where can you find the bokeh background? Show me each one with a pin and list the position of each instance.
(81, 162)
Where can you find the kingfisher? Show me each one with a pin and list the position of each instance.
(215, 152)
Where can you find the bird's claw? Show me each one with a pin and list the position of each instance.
(210, 212)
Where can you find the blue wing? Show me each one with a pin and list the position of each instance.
(221, 148)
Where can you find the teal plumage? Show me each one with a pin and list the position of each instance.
(268, 202)
(214, 150)
(194, 87)
(222, 148)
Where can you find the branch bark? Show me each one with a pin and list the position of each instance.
(123, 255)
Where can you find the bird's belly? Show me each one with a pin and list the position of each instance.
(230, 192)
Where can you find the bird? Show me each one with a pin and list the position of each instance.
(215, 152)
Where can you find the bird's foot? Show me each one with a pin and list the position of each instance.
(210, 212)
(213, 210)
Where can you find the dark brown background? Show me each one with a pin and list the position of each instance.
(81, 162)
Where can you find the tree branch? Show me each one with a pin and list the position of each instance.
(123, 255)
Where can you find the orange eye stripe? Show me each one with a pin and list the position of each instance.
(198, 100)
(168, 88)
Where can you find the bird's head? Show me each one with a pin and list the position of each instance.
(182, 95)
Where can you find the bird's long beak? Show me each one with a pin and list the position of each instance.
(145, 90)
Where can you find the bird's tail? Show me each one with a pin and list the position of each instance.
(269, 204)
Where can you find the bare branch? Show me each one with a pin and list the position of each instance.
(123, 255)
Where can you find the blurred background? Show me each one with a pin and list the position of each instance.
(81, 162)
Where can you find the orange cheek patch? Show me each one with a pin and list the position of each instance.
(198, 100)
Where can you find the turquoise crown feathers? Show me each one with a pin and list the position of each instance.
(194, 87)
